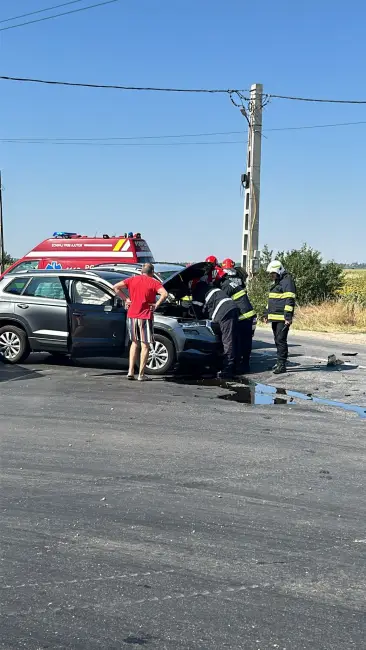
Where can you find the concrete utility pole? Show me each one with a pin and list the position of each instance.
(251, 182)
(2, 247)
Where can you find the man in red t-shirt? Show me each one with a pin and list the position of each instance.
(142, 291)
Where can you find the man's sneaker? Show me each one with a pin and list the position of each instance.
(280, 369)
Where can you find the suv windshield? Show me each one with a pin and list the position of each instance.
(112, 276)
(29, 265)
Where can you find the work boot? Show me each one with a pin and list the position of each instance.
(225, 375)
(280, 369)
(243, 370)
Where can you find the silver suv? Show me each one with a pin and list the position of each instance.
(77, 313)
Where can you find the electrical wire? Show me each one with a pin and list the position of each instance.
(40, 11)
(323, 101)
(137, 137)
(315, 126)
(65, 13)
(116, 87)
(166, 137)
(230, 92)
(123, 144)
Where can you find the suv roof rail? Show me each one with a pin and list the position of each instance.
(49, 271)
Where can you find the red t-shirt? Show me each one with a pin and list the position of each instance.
(142, 290)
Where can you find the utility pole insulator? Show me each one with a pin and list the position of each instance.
(250, 241)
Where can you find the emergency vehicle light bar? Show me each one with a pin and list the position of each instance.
(64, 234)
(67, 235)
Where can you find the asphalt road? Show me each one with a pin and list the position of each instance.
(159, 515)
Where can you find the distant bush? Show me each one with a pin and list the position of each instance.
(316, 280)
(354, 288)
(8, 260)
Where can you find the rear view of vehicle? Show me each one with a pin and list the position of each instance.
(65, 250)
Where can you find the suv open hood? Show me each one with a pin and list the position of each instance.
(178, 284)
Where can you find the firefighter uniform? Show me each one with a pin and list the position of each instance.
(280, 310)
(223, 311)
(233, 285)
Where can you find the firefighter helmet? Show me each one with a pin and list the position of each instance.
(228, 263)
(211, 259)
(275, 267)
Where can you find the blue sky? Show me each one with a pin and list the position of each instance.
(186, 199)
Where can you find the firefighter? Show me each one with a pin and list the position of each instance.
(213, 275)
(233, 284)
(280, 310)
(223, 311)
(214, 271)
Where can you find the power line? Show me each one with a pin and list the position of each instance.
(314, 126)
(136, 137)
(65, 13)
(161, 137)
(40, 11)
(122, 144)
(323, 101)
(116, 87)
(54, 82)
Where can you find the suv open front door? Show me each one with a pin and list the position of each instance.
(97, 320)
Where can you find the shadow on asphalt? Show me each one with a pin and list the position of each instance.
(262, 345)
(16, 373)
(319, 368)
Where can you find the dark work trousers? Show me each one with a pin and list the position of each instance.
(244, 345)
(229, 327)
(280, 333)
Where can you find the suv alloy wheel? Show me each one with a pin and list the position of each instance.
(14, 344)
(162, 356)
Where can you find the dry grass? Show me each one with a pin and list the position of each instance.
(337, 316)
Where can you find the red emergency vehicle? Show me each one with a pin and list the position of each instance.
(65, 250)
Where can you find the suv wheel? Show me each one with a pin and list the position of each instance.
(162, 356)
(14, 344)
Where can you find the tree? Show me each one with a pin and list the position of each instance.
(316, 280)
(8, 259)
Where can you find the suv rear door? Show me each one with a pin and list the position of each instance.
(97, 319)
(42, 308)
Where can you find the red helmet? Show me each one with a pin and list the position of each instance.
(211, 259)
(228, 263)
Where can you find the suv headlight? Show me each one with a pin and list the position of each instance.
(190, 331)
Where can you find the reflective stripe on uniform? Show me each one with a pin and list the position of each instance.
(289, 308)
(248, 314)
(195, 302)
(286, 294)
(275, 317)
(239, 294)
(219, 305)
(187, 298)
(210, 293)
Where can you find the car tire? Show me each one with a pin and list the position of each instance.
(14, 344)
(163, 357)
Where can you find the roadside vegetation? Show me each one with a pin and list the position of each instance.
(8, 260)
(329, 298)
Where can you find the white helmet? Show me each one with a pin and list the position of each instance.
(275, 267)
